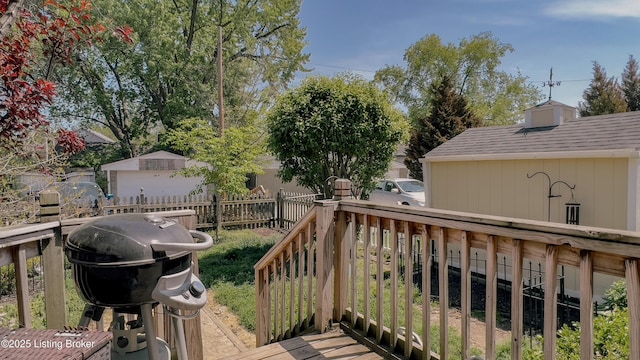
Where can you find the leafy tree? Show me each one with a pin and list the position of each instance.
(473, 68)
(341, 126)
(169, 74)
(450, 116)
(631, 84)
(49, 35)
(52, 35)
(603, 96)
(227, 159)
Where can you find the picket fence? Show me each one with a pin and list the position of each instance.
(250, 211)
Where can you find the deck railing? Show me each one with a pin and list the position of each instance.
(332, 267)
(20, 243)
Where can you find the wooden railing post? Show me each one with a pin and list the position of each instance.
(632, 272)
(53, 263)
(443, 293)
(264, 307)
(586, 305)
(340, 259)
(491, 294)
(342, 248)
(465, 293)
(516, 300)
(324, 260)
(550, 301)
(22, 288)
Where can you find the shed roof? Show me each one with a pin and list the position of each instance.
(603, 132)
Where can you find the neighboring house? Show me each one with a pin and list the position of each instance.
(94, 138)
(270, 180)
(154, 172)
(397, 168)
(34, 182)
(490, 170)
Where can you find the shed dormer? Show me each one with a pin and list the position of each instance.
(548, 113)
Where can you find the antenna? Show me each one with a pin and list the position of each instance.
(550, 83)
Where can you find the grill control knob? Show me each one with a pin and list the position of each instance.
(196, 289)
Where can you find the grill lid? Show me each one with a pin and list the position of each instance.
(128, 239)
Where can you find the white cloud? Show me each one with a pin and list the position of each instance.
(594, 8)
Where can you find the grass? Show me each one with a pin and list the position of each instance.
(227, 268)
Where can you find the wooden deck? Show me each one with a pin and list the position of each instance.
(331, 345)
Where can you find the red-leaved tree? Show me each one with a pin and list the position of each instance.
(32, 43)
(52, 35)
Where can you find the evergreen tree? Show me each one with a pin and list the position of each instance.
(631, 84)
(450, 116)
(603, 96)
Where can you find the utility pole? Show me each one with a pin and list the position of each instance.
(219, 195)
(220, 94)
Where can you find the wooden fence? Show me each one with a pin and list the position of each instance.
(250, 211)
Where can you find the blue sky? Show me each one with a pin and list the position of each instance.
(363, 36)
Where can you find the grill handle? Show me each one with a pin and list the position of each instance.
(205, 242)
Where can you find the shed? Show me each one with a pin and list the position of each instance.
(508, 170)
(155, 172)
(535, 170)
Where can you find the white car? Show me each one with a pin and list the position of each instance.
(399, 192)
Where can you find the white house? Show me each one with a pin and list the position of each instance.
(156, 173)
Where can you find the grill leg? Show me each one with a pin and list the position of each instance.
(181, 342)
(150, 331)
(91, 312)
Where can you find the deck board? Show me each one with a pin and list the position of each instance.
(330, 345)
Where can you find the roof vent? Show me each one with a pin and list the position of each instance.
(549, 113)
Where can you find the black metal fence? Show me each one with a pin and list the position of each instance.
(533, 287)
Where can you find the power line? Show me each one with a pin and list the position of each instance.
(374, 71)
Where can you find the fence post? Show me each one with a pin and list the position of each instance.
(324, 260)
(280, 205)
(342, 189)
(53, 263)
(341, 250)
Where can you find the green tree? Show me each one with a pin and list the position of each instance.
(169, 73)
(342, 126)
(473, 67)
(227, 159)
(450, 116)
(631, 84)
(603, 96)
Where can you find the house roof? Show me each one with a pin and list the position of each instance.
(92, 137)
(593, 133)
(133, 163)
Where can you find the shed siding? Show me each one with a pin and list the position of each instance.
(502, 188)
(154, 183)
